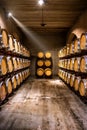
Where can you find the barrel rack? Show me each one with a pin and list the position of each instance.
(65, 55)
(21, 73)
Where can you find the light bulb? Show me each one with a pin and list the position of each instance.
(40, 2)
(9, 14)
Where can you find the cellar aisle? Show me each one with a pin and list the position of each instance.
(43, 104)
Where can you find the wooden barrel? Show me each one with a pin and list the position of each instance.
(65, 76)
(72, 78)
(16, 45)
(68, 64)
(40, 55)
(77, 64)
(48, 63)
(4, 38)
(9, 86)
(48, 72)
(76, 45)
(83, 87)
(3, 65)
(71, 48)
(18, 79)
(68, 78)
(40, 63)
(14, 82)
(3, 92)
(83, 41)
(72, 63)
(21, 78)
(83, 64)
(76, 83)
(48, 55)
(60, 53)
(10, 64)
(15, 63)
(11, 43)
(40, 72)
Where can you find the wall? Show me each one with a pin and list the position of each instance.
(79, 27)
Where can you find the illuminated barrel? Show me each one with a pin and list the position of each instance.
(72, 63)
(40, 55)
(72, 78)
(11, 43)
(3, 65)
(48, 55)
(76, 83)
(48, 63)
(3, 92)
(16, 45)
(83, 87)
(18, 79)
(14, 82)
(4, 41)
(83, 64)
(9, 86)
(10, 64)
(48, 72)
(77, 64)
(15, 63)
(40, 63)
(40, 72)
(83, 41)
(76, 45)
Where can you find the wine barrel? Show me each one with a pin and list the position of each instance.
(83, 87)
(4, 38)
(72, 78)
(47, 55)
(16, 45)
(68, 64)
(40, 72)
(40, 63)
(14, 82)
(18, 79)
(71, 48)
(76, 83)
(72, 63)
(48, 72)
(83, 64)
(3, 65)
(9, 86)
(76, 45)
(3, 92)
(48, 63)
(10, 64)
(65, 76)
(77, 64)
(21, 78)
(68, 78)
(11, 43)
(15, 63)
(83, 41)
(40, 55)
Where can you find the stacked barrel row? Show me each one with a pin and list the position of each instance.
(10, 43)
(44, 65)
(14, 64)
(72, 64)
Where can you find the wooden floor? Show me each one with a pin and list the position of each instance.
(43, 104)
